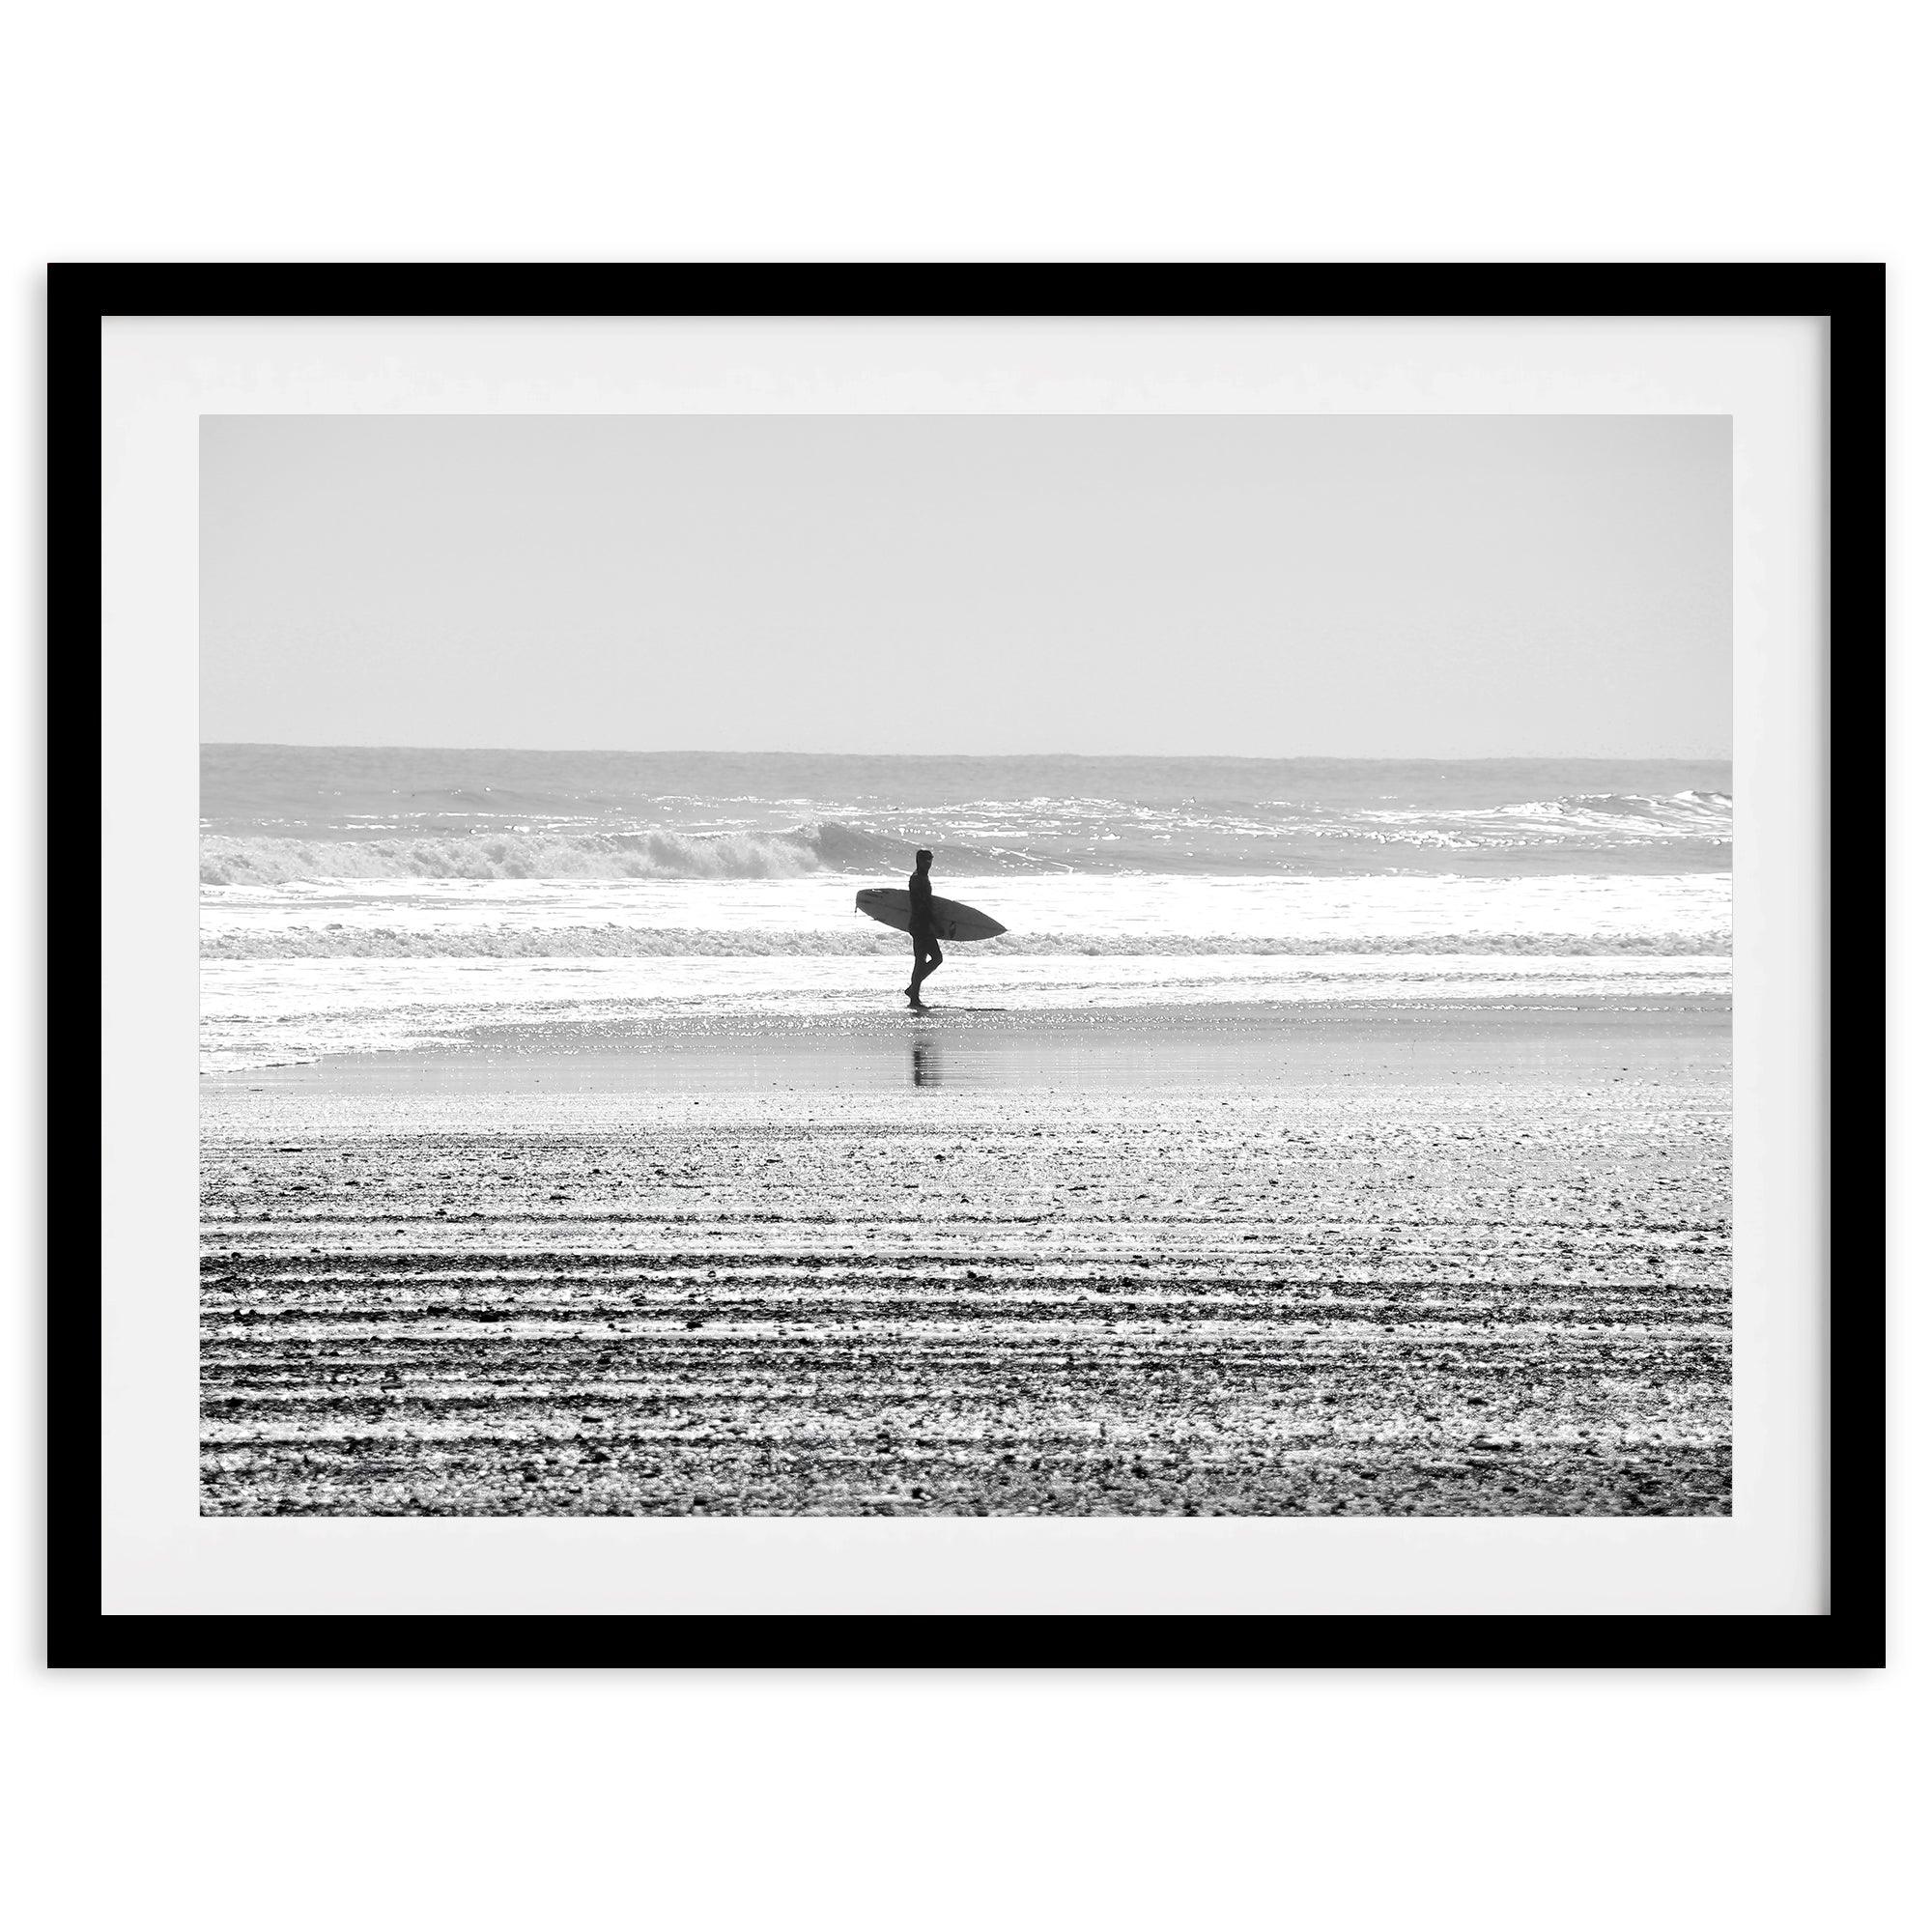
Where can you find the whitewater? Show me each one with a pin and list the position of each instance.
(362, 899)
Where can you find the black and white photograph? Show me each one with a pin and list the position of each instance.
(991, 1017)
(1001, 965)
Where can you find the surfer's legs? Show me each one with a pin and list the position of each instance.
(926, 959)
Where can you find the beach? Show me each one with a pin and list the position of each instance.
(1425, 1258)
(1320, 1136)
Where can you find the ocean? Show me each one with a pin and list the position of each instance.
(361, 900)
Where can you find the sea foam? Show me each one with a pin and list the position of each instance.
(580, 941)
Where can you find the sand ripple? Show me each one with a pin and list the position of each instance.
(1507, 1298)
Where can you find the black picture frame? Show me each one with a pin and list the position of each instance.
(1851, 297)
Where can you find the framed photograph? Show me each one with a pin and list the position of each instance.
(1108, 946)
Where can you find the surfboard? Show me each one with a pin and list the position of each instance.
(891, 905)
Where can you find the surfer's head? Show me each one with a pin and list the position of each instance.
(921, 858)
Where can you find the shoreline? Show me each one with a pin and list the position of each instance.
(1248, 1044)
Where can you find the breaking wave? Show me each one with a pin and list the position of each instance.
(1601, 819)
(537, 854)
(1613, 829)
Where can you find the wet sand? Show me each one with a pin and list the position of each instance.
(1430, 1261)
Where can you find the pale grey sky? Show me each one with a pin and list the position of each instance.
(1374, 586)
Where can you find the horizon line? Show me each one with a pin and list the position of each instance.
(790, 751)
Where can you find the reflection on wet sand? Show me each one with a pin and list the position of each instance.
(925, 1063)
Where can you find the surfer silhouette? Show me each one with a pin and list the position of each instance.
(926, 958)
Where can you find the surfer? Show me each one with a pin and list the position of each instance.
(926, 958)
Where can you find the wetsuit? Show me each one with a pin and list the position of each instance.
(926, 958)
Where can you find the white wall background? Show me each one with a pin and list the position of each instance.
(1396, 130)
